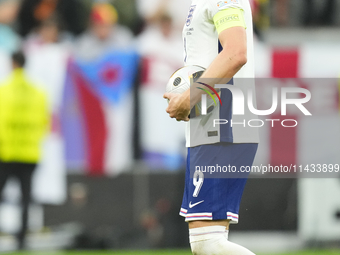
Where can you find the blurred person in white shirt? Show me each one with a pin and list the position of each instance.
(104, 33)
(48, 51)
(176, 9)
(160, 46)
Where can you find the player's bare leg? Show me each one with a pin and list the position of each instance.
(206, 223)
(211, 238)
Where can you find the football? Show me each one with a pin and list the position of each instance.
(182, 79)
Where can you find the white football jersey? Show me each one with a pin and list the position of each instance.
(201, 46)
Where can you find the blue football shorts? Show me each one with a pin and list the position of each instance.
(207, 197)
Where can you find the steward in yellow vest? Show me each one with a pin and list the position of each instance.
(24, 121)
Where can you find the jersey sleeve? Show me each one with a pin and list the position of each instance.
(226, 14)
(217, 5)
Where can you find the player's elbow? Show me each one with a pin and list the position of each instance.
(240, 59)
(236, 58)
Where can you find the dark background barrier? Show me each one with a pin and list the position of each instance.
(117, 213)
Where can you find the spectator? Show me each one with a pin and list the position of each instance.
(161, 48)
(104, 34)
(260, 13)
(151, 10)
(23, 124)
(312, 16)
(48, 51)
(102, 75)
(128, 15)
(47, 33)
(281, 12)
(34, 12)
(257, 18)
(9, 40)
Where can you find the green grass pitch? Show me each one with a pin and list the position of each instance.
(162, 252)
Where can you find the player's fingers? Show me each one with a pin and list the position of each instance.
(181, 118)
(167, 96)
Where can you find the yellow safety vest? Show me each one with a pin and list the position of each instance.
(24, 119)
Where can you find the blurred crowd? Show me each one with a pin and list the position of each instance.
(73, 24)
(305, 13)
(32, 22)
(28, 23)
(88, 28)
(90, 58)
(61, 36)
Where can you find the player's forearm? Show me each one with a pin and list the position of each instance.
(224, 66)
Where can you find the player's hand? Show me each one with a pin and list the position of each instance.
(179, 106)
